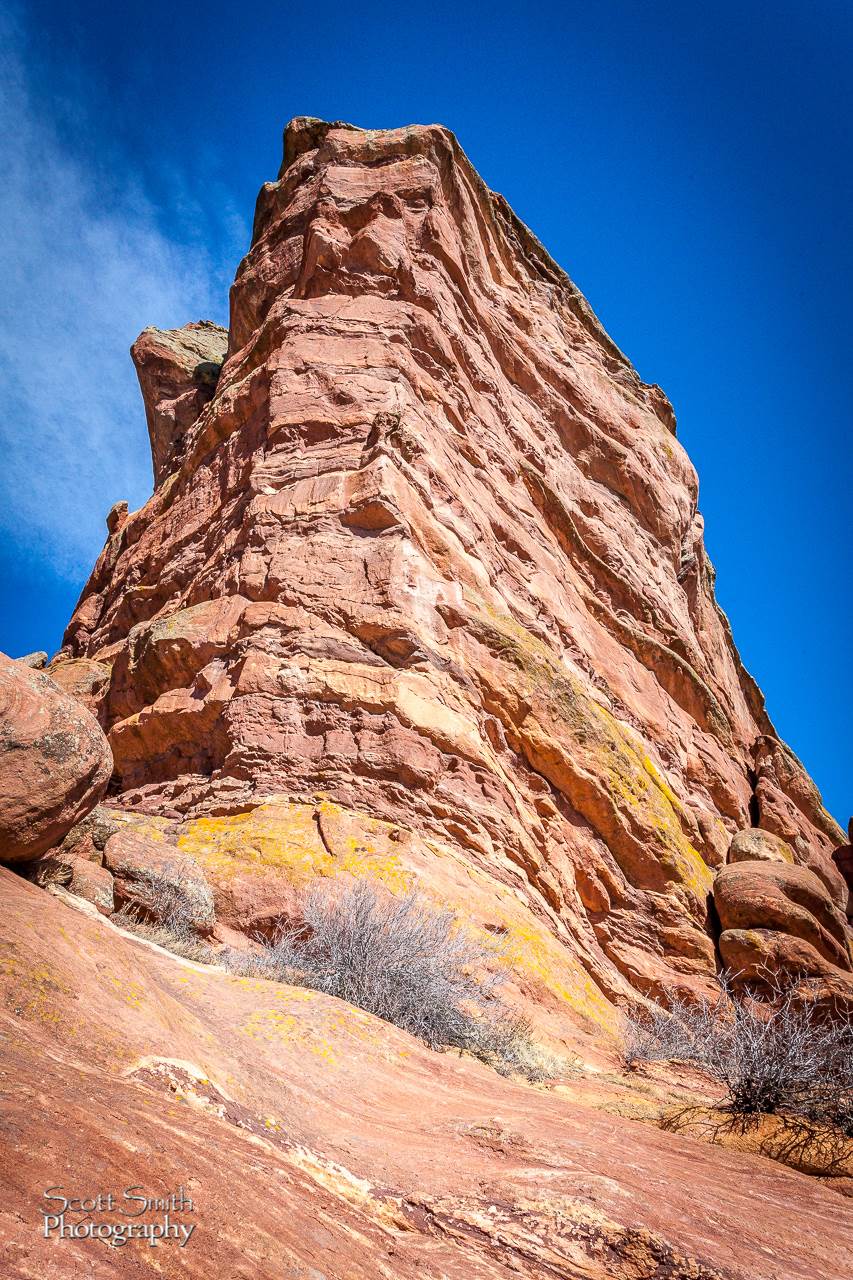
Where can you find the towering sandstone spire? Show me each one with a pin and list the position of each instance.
(422, 593)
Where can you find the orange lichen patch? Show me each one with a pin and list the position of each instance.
(9, 962)
(531, 949)
(145, 824)
(39, 992)
(521, 944)
(526, 947)
(661, 783)
(638, 787)
(132, 993)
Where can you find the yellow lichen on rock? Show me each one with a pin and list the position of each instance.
(592, 757)
(284, 840)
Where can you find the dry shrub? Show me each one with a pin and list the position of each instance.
(774, 1051)
(396, 957)
(168, 915)
(180, 941)
(409, 964)
(174, 896)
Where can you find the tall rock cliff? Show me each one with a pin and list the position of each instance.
(422, 594)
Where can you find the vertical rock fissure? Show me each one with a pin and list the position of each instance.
(754, 806)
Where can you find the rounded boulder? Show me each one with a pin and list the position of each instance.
(55, 762)
(789, 902)
(754, 845)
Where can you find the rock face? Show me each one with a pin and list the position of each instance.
(426, 551)
(843, 859)
(83, 679)
(177, 370)
(316, 1141)
(55, 762)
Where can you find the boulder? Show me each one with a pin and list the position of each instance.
(36, 660)
(55, 762)
(781, 916)
(754, 845)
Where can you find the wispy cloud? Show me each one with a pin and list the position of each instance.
(85, 265)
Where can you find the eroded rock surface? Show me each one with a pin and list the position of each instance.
(779, 917)
(316, 1141)
(843, 859)
(83, 679)
(427, 550)
(178, 370)
(54, 762)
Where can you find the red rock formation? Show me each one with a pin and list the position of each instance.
(83, 679)
(429, 555)
(178, 371)
(54, 762)
(843, 859)
(421, 596)
(767, 906)
(316, 1141)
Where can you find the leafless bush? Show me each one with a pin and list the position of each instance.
(659, 1034)
(168, 911)
(775, 1053)
(396, 957)
(408, 963)
(172, 898)
(47, 871)
(181, 941)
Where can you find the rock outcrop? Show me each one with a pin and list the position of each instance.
(36, 660)
(420, 597)
(178, 370)
(316, 1141)
(55, 762)
(779, 918)
(426, 551)
(843, 859)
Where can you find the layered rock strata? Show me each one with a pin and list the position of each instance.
(424, 568)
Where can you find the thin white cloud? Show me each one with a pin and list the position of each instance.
(84, 266)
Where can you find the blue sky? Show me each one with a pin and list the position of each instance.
(689, 166)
